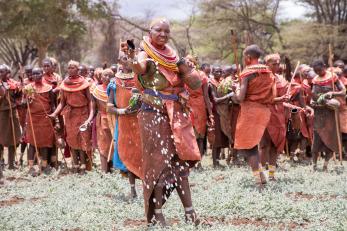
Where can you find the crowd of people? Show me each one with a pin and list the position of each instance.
(152, 114)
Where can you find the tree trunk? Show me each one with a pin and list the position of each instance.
(42, 52)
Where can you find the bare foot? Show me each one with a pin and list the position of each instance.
(32, 172)
(133, 193)
(262, 178)
(314, 167)
(159, 218)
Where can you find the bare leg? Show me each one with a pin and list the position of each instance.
(2, 160)
(253, 161)
(215, 154)
(23, 146)
(158, 199)
(89, 161)
(265, 149)
(184, 193)
(230, 154)
(75, 160)
(83, 161)
(11, 157)
(53, 159)
(328, 156)
(264, 155)
(1, 163)
(104, 164)
(272, 162)
(200, 142)
(132, 177)
(315, 158)
(31, 155)
(44, 152)
(345, 149)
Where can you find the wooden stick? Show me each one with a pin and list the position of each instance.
(337, 120)
(12, 124)
(111, 124)
(34, 137)
(291, 80)
(110, 150)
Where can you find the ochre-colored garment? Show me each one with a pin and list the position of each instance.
(277, 124)
(299, 120)
(220, 139)
(103, 130)
(255, 113)
(40, 106)
(167, 136)
(22, 107)
(227, 111)
(343, 108)
(76, 111)
(197, 106)
(161, 165)
(52, 79)
(129, 141)
(22, 112)
(324, 117)
(9, 99)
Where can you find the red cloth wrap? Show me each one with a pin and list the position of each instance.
(255, 113)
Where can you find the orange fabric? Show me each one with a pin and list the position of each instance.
(6, 135)
(73, 84)
(104, 134)
(22, 112)
(300, 120)
(182, 130)
(75, 113)
(251, 123)
(51, 79)
(99, 92)
(40, 106)
(260, 88)
(343, 108)
(326, 80)
(254, 114)
(343, 118)
(277, 124)
(343, 80)
(129, 143)
(103, 131)
(197, 106)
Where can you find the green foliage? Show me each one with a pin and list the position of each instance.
(45, 21)
(252, 21)
(307, 40)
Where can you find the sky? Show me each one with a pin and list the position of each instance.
(179, 9)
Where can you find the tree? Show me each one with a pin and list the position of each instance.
(329, 27)
(44, 22)
(328, 11)
(255, 21)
